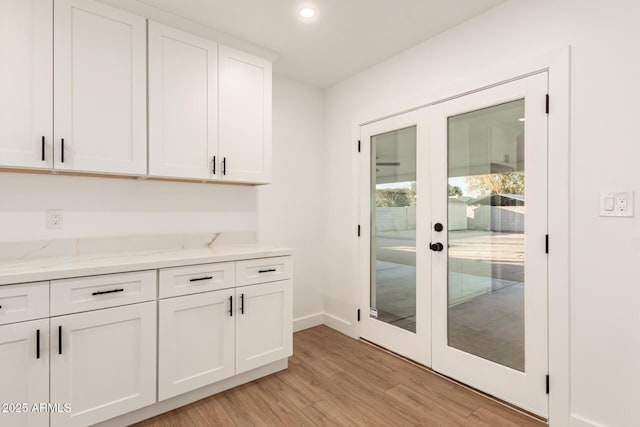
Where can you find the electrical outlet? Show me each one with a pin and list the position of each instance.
(54, 219)
(616, 204)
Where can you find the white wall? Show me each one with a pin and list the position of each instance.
(291, 210)
(605, 320)
(105, 207)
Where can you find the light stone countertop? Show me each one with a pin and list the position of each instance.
(59, 267)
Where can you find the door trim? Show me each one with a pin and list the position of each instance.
(558, 64)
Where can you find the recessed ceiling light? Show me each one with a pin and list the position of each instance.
(306, 12)
(521, 119)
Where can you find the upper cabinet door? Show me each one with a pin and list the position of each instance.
(26, 84)
(100, 88)
(245, 116)
(183, 104)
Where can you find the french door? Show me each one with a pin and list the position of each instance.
(479, 237)
(393, 269)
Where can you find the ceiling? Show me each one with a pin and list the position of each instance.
(344, 38)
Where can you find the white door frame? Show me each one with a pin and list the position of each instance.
(557, 63)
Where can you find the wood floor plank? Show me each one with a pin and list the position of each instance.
(284, 411)
(494, 415)
(334, 380)
(325, 413)
(433, 413)
(275, 386)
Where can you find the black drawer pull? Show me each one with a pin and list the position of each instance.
(242, 304)
(43, 148)
(112, 291)
(38, 344)
(224, 166)
(214, 165)
(201, 278)
(62, 150)
(59, 339)
(271, 270)
(231, 306)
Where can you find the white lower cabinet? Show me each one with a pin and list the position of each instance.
(196, 341)
(207, 337)
(24, 373)
(103, 363)
(113, 347)
(264, 328)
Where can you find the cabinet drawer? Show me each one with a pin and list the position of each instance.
(95, 292)
(196, 278)
(263, 270)
(24, 302)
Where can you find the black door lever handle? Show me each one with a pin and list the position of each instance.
(436, 247)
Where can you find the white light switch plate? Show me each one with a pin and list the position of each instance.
(616, 204)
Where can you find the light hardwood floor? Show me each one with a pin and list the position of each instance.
(334, 380)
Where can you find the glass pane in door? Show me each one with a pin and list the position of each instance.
(393, 228)
(486, 211)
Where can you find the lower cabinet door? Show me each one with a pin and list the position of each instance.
(263, 324)
(103, 363)
(24, 374)
(196, 341)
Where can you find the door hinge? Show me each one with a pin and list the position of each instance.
(546, 105)
(358, 230)
(358, 315)
(547, 382)
(358, 146)
(546, 243)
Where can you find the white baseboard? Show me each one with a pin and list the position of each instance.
(322, 318)
(577, 421)
(306, 322)
(340, 325)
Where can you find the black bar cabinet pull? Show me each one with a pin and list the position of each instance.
(224, 166)
(271, 270)
(112, 291)
(242, 304)
(60, 339)
(43, 148)
(62, 150)
(231, 306)
(197, 279)
(214, 165)
(38, 344)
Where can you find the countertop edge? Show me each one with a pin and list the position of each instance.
(120, 264)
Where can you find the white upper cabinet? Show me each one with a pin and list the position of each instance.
(209, 105)
(26, 83)
(245, 116)
(100, 88)
(183, 104)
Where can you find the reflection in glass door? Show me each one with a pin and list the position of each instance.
(486, 233)
(393, 228)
